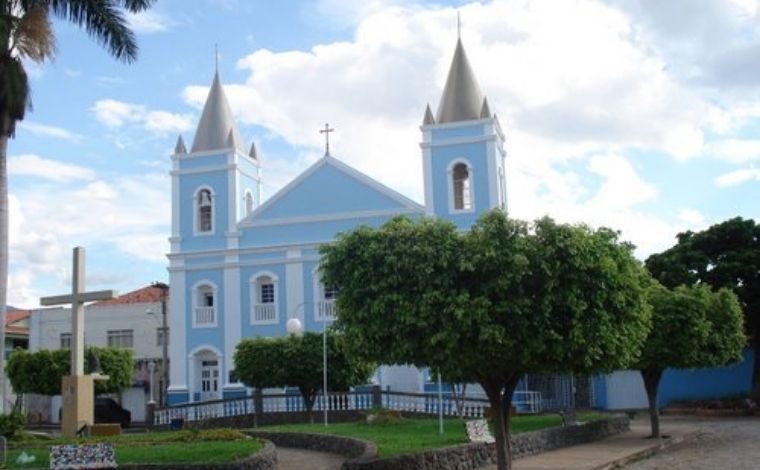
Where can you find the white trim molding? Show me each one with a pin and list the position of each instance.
(450, 185)
(208, 311)
(196, 209)
(258, 308)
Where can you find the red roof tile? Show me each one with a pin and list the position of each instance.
(144, 295)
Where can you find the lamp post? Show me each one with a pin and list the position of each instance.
(151, 371)
(324, 350)
(165, 340)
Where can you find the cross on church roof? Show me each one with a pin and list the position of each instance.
(326, 131)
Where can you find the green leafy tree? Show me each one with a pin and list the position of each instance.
(296, 361)
(26, 34)
(42, 371)
(725, 255)
(491, 304)
(692, 327)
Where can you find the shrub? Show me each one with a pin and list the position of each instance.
(11, 425)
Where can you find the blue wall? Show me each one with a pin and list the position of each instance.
(707, 383)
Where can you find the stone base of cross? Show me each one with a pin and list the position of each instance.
(78, 389)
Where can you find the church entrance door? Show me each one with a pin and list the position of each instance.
(209, 380)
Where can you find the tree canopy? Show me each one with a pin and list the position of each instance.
(725, 255)
(296, 361)
(42, 371)
(501, 300)
(692, 327)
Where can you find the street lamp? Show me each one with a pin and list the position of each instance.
(165, 339)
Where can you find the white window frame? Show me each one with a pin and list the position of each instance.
(196, 211)
(450, 184)
(195, 292)
(65, 338)
(319, 296)
(162, 335)
(121, 335)
(254, 290)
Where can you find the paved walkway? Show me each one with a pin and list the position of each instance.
(613, 452)
(297, 459)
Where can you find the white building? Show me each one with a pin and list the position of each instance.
(120, 322)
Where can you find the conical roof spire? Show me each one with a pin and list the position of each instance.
(217, 128)
(485, 110)
(252, 153)
(462, 99)
(428, 119)
(180, 147)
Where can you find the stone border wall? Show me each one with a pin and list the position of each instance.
(470, 456)
(363, 454)
(266, 459)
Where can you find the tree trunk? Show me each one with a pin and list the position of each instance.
(493, 391)
(3, 259)
(651, 382)
(308, 401)
(755, 344)
(509, 391)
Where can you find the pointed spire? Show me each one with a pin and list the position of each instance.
(428, 119)
(485, 110)
(216, 128)
(180, 147)
(252, 152)
(462, 99)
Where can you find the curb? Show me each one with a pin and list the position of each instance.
(650, 451)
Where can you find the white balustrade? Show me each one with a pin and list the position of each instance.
(204, 315)
(264, 313)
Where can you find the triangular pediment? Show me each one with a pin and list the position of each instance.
(331, 189)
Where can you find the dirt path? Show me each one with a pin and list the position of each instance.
(299, 459)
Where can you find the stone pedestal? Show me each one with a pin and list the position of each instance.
(78, 403)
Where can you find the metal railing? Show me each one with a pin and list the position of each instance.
(419, 403)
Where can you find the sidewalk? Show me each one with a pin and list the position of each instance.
(613, 452)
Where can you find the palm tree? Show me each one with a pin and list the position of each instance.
(26, 33)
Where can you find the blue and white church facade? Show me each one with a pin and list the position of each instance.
(241, 267)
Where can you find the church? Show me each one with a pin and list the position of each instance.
(241, 267)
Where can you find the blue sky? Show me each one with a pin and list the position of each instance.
(643, 116)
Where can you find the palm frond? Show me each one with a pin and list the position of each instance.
(15, 97)
(103, 20)
(33, 36)
(136, 6)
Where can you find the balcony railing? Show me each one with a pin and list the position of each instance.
(326, 310)
(205, 316)
(264, 313)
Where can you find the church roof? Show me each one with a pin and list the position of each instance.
(217, 128)
(462, 99)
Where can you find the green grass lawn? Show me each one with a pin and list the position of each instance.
(158, 448)
(417, 434)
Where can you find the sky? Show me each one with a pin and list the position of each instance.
(639, 115)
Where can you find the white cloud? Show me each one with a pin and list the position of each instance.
(50, 131)
(117, 114)
(33, 165)
(734, 150)
(148, 22)
(692, 217)
(737, 177)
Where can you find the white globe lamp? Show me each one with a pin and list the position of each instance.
(294, 327)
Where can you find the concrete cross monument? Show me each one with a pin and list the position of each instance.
(78, 389)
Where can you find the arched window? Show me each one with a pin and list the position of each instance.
(324, 299)
(204, 311)
(248, 203)
(264, 299)
(461, 183)
(205, 211)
